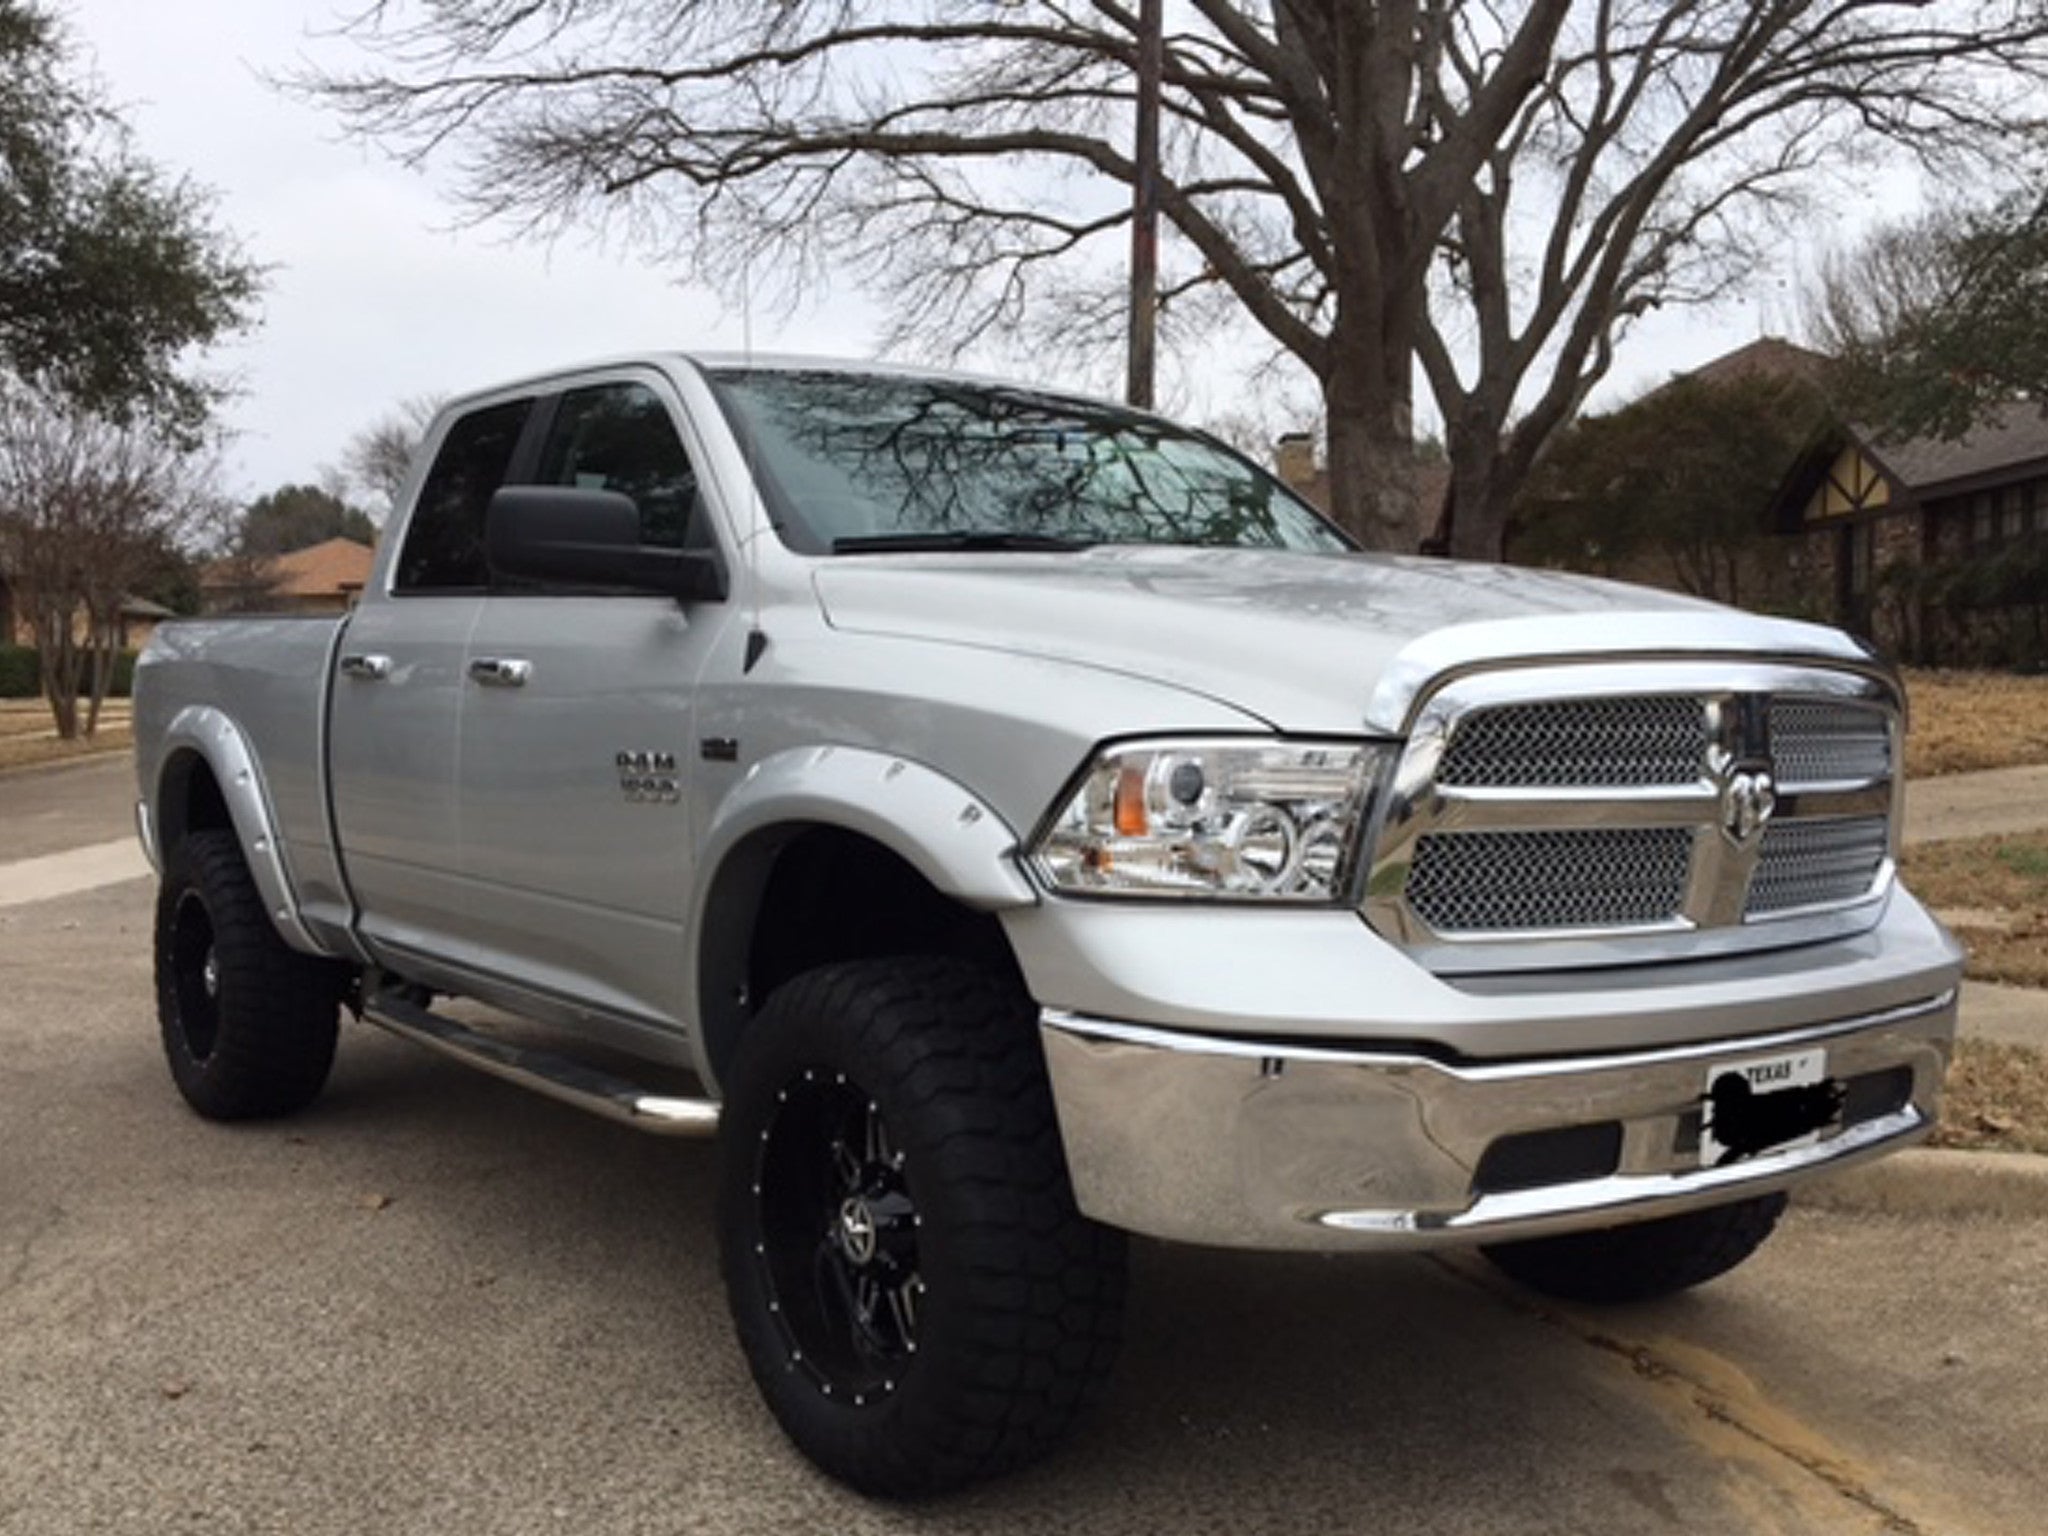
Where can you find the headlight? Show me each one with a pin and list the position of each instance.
(1278, 820)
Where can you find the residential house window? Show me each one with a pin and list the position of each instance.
(1862, 556)
(2030, 508)
(1980, 521)
(2012, 516)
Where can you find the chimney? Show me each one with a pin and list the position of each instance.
(1294, 460)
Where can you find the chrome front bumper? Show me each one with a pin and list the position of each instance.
(1258, 1144)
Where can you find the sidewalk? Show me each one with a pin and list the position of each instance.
(2007, 1015)
(1960, 805)
(1964, 805)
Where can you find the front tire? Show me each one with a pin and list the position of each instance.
(918, 1298)
(248, 1023)
(1644, 1260)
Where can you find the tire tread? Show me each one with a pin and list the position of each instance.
(1044, 1320)
(279, 1009)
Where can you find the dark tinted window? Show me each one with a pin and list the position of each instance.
(444, 545)
(618, 437)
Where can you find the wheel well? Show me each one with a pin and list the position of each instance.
(795, 898)
(189, 800)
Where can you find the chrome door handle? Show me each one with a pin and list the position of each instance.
(370, 668)
(500, 672)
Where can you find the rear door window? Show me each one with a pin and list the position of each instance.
(444, 543)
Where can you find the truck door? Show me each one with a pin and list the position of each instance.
(393, 732)
(576, 735)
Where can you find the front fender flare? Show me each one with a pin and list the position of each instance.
(943, 830)
(940, 828)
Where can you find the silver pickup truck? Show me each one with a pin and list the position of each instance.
(1007, 822)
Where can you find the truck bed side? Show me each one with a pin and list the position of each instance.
(230, 729)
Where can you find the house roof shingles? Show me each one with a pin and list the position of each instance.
(2009, 437)
(1768, 357)
(335, 568)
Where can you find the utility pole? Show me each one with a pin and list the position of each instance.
(1145, 207)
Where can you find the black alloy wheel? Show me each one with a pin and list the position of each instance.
(919, 1300)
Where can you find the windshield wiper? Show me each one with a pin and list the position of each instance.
(958, 538)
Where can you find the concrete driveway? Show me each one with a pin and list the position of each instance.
(434, 1304)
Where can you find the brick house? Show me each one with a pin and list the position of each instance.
(1872, 522)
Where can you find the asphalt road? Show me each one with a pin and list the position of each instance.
(435, 1304)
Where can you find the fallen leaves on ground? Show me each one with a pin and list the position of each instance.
(1964, 721)
(1996, 1099)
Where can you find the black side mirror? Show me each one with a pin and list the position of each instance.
(589, 538)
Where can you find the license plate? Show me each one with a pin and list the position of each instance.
(1766, 1104)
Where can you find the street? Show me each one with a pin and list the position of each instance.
(435, 1304)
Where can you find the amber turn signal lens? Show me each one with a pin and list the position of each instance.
(1129, 815)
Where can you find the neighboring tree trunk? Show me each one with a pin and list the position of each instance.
(61, 667)
(105, 634)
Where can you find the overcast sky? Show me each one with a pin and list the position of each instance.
(375, 296)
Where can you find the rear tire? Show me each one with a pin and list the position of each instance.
(918, 1298)
(1644, 1260)
(248, 1023)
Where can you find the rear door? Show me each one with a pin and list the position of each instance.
(576, 732)
(394, 730)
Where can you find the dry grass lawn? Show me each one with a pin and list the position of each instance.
(1996, 1100)
(1964, 721)
(1993, 891)
(27, 734)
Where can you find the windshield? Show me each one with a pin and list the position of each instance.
(852, 463)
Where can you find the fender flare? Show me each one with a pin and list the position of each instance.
(947, 833)
(208, 733)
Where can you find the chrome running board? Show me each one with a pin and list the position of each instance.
(559, 1077)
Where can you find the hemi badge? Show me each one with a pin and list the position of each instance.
(719, 749)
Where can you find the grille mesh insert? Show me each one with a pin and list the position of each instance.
(1816, 863)
(1654, 739)
(1815, 741)
(1491, 882)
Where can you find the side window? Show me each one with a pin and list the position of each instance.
(444, 543)
(618, 437)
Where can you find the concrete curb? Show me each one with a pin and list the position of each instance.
(1925, 1183)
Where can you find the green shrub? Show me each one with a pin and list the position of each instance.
(21, 674)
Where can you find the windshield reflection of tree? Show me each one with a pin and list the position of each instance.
(936, 457)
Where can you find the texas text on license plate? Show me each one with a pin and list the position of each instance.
(1767, 1104)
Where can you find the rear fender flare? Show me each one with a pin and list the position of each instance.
(206, 732)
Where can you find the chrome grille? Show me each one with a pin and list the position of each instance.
(1654, 740)
(1817, 863)
(1616, 812)
(1820, 741)
(1504, 882)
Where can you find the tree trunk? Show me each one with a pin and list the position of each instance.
(1481, 496)
(1370, 412)
(60, 668)
(105, 652)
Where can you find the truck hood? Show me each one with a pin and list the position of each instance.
(1307, 643)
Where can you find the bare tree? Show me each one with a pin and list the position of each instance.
(376, 459)
(1492, 189)
(86, 508)
(1937, 320)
